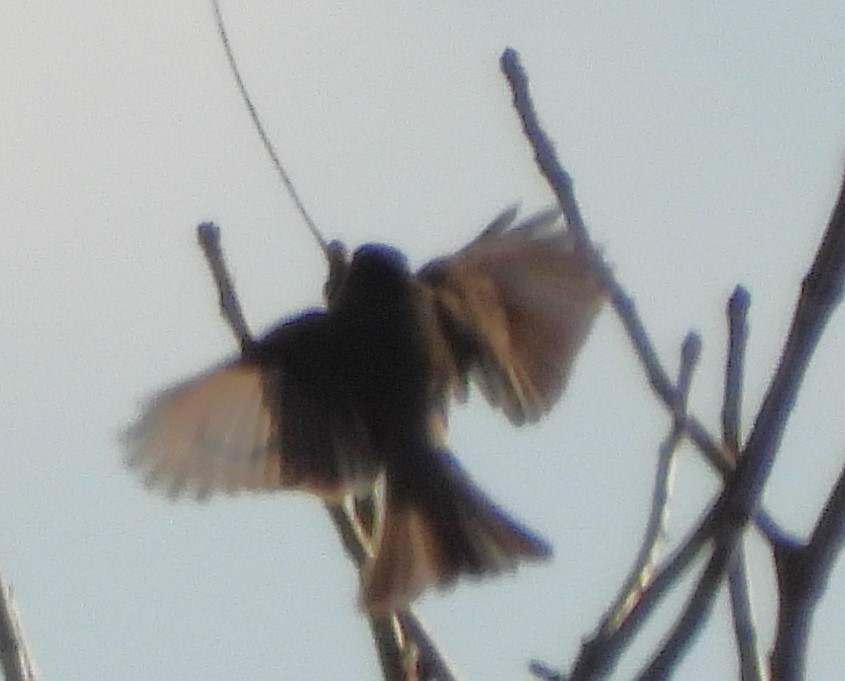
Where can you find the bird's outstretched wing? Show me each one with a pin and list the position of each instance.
(274, 418)
(515, 306)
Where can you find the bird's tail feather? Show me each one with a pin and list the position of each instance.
(437, 527)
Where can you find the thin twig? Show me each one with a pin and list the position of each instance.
(638, 579)
(698, 608)
(265, 139)
(544, 151)
(387, 632)
(15, 660)
(656, 526)
(739, 586)
(208, 235)
(734, 368)
(431, 665)
(542, 671)
(600, 654)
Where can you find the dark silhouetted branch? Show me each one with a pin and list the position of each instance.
(656, 526)
(821, 292)
(735, 368)
(639, 592)
(561, 185)
(745, 630)
(745, 473)
(15, 659)
(208, 235)
(739, 587)
(802, 578)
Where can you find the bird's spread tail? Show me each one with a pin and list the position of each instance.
(436, 528)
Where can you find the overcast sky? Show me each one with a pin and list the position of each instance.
(706, 142)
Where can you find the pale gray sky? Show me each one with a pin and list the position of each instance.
(706, 141)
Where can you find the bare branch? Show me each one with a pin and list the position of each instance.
(698, 608)
(599, 654)
(739, 587)
(544, 672)
(208, 235)
(802, 578)
(387, 632)
(431, 666)
(739, 501)
(820, 294)
(544, 152)
(15, 659)
(655, 528)
(405, 647)
(734, 368)
(745, 630)
(659, 380)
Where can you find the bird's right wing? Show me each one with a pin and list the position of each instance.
(276, 420)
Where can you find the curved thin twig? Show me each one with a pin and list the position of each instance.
(265, 139)
(655, 527)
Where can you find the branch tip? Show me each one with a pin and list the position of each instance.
(739, 302)
(208, 235)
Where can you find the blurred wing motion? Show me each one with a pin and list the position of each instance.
(330, 400)
(441, 529)
(516, 305)
(259, 423)
(212, 432)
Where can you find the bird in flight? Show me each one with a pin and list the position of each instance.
(335, 400)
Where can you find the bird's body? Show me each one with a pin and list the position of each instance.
(333, 399)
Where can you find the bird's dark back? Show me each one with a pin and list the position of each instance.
(377, 318)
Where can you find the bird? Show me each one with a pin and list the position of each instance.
(336, 399)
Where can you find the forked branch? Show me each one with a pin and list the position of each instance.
(745, 470)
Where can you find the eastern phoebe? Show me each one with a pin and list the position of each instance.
(334, 398)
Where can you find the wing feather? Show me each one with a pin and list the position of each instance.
(280, 418)
(210, 433)
(516, 305)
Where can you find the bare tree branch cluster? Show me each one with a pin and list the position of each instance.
(802, 567)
